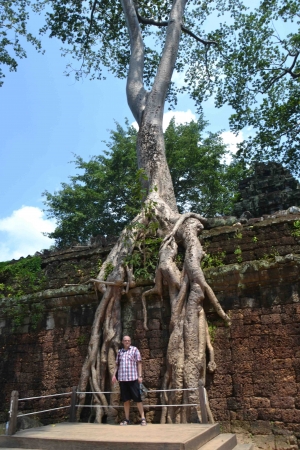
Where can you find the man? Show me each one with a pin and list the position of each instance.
(129, 368)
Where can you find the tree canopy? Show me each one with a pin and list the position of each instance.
(106, 194)
(258, 74)
(250, 61)
(14, 16)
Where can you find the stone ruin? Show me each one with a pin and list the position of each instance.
(271, 188)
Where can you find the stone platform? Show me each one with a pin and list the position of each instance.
(82, 436)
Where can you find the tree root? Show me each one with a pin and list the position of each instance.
(189, 341)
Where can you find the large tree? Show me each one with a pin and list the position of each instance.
(105, 195)
(145, 41)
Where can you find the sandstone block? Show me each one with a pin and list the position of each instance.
(139, 334)
(234, 403)
(157, 353)
(155, 343)
(286, 363)
(260, 427)
(145, 353)
(240, 426)
(270, 414)
(283, 443)
(263, 389)
(143, 344)
(282, 402)
(291, 415)
(154, 333)
(250, 414)
(154, 313)
(260, 402)
(218, 403)
(285, 389)
(154, 324)
(264, 442)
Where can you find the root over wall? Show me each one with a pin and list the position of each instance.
(256, 386)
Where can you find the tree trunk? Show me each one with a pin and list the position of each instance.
(189, 337)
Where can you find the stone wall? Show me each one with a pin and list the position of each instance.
(256, 387)
(270, 188)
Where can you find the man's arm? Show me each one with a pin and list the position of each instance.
(140, 371)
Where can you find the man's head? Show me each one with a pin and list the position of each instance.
(126, 341)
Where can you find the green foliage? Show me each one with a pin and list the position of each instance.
(270, 256)
(238, 254)
(17, 311)
(179, 260)
(81, 340)
(109, 267)
(144, 258)
(212, 331)
(107, 193)
(96, 37)
(213, 260)
(99, 200)
(238, 235)
(14, 16)
(296, 229)
(21, 277)
(202, 181)
(257, 73)
(255, 239)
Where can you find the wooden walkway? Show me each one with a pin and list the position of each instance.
(82, 436)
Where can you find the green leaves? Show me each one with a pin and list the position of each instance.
(106, 193)
(261, 75)
(14, 16)
(202, 182)
(99, 200)
(21, 277)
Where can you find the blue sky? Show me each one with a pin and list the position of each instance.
(46, 117)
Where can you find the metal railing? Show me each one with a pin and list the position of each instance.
(13, 411)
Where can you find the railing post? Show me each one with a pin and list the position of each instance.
(202, 403)
(73, 404)
(13, 412)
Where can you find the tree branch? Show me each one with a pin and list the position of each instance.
(136, 93)
(284, 72)
(203, 41)
(165, 23)
(168, 59)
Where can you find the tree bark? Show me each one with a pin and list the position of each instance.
(189, 335)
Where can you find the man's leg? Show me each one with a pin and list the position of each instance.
(126, 409)
(141, 411)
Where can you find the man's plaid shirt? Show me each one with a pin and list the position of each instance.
(127, 363)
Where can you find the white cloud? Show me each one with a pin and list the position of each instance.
(180, 117)
(231, 140)
(178, 78)
(21, 233)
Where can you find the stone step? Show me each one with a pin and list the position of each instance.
(244, 447)
(83, 436)
(221, 442)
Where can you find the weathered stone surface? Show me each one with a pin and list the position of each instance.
(257, 381)
(269, 189)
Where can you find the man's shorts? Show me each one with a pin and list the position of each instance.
(130, 390)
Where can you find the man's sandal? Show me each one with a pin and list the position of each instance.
(143, 422)
(125, 422)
